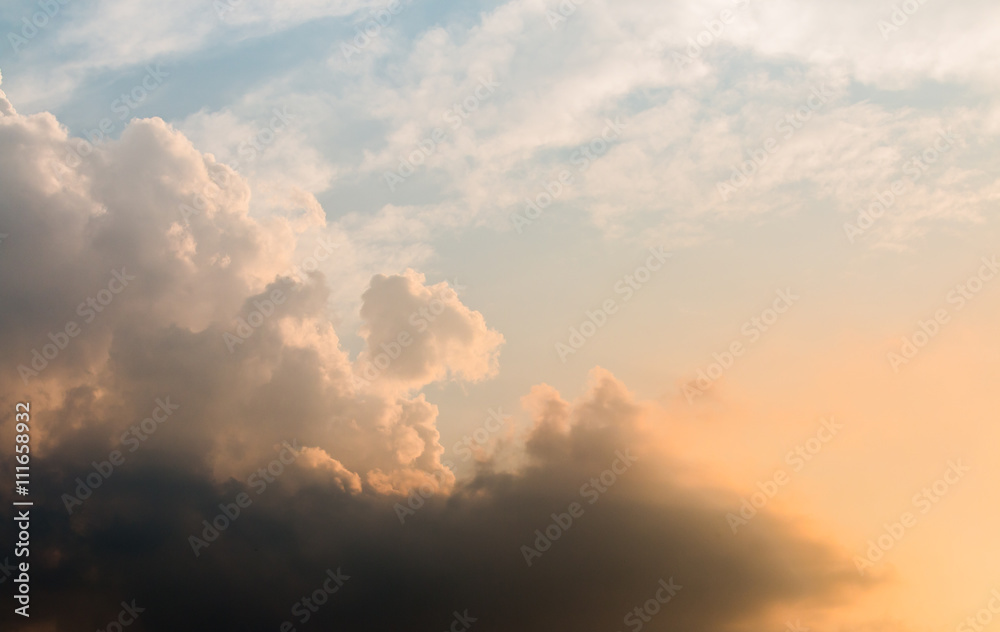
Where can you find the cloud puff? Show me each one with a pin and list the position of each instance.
(418, 334)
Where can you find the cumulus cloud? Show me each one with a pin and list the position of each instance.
(418, 334)
(121, 293)
(215, 374)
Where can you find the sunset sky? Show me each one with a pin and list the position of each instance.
(706, 290)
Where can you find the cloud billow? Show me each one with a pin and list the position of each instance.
(364, 444)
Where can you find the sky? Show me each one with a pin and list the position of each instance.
(498, 316)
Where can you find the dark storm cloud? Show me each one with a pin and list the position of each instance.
(131, 540)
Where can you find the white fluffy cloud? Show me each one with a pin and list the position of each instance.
(687, 124)
(120, 296)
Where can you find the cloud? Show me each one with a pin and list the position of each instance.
(688, 125)
(460, 552)
(122, 294)
(423, 334)
(265, 404)
(112, 34)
